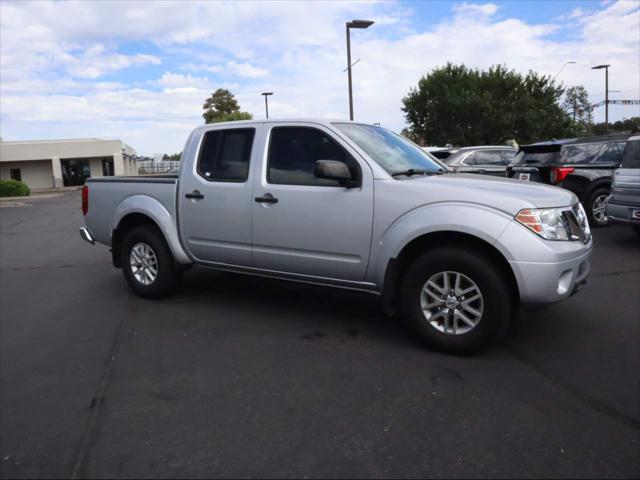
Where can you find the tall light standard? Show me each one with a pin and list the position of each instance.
(266, 103)
(606, 95)
(570, 62)
(349, 25)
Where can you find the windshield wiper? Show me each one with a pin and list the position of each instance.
(409, 172)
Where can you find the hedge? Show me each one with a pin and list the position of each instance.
(13, 188)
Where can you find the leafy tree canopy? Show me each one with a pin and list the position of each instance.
(462, 106)
(174, 156)
(627, 125)
(222, 106)
(577, 105)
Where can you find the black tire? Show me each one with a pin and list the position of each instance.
(589, 205)
(167, 276)
(494, 285)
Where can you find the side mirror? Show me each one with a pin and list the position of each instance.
(334, 170)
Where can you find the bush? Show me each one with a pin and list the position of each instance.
(13, 188)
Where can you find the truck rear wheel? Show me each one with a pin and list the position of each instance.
(147, 263)
(458, 302)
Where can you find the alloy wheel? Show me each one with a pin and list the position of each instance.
(599, 208)
(144, 264)
(452, 303)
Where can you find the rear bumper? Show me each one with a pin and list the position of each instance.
(86, 235)
(543, 283)
(621, 213)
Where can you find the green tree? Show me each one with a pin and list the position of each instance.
(462, 106)
(626, 125)
(576, 103)
(222, 106)
(174, 156)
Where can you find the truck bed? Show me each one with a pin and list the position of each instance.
(107, 196)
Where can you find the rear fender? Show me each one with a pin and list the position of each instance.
(156, 211)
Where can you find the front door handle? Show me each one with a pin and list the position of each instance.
(266, 198)
(194, 195)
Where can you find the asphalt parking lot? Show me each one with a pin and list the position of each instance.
(243, 377)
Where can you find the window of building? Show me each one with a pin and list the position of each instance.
(225, 155)
(293, 152)
(15, 174)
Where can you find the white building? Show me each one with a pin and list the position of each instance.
(43, 164)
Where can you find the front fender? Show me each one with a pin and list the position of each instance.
(478, 220)
(156, 211)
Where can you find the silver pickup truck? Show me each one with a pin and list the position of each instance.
(353, 206)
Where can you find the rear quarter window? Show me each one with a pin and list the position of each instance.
(591, 153)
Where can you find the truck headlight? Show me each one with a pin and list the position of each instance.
(547, 222)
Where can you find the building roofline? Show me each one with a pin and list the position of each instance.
(66, 140)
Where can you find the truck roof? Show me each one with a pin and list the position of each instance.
(322, 121)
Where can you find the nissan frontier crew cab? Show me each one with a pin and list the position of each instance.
(347, 205)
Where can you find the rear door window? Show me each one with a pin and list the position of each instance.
(488, 157)
(225, 154)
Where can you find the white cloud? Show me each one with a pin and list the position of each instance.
(178, 80)
(50, 65)
(486, 9)
(245, 69)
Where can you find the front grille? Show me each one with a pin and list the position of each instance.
(577, 224)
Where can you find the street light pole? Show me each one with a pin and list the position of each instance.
(563, 66)
(349, 25)
(606, 94)
(266, 104)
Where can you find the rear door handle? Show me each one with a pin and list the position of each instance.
(195, 195)
(266, 198)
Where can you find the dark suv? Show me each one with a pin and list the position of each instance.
(583, 165)
(486, 160)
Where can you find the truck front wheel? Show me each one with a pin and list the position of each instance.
(147, 263)
(458, 302)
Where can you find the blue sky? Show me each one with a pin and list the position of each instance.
(139, 71)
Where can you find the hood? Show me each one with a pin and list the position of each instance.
(504, 194)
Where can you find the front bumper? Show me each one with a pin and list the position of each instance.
(542, 283)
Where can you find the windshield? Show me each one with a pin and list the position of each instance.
(391, 151)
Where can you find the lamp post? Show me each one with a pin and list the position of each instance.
(266, 103)
(570, 62)
(606, 94)
(349, 25)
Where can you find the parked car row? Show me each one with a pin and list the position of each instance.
(585, 166)
(486, 160)
(623, 205)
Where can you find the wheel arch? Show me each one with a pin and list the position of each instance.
(144, 210)
(397, 266)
